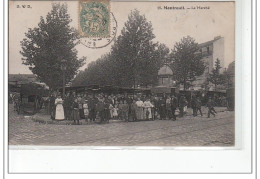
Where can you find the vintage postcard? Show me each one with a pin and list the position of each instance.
(110, 73)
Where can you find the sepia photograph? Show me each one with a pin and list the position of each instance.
(114, 73)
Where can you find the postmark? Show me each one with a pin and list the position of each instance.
(94, 18)
(99, 42)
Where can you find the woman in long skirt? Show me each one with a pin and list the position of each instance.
(59, 115)
(139, 109)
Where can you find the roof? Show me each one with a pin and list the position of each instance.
(21, 78)
(209, 42)
(165, 70)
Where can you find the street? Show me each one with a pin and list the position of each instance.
(186, 131)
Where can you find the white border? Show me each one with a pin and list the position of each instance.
(153, 160)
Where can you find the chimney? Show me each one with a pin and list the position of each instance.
(217, 37)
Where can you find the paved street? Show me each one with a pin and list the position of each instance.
(187, 131)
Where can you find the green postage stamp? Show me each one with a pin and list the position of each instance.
(94, 18)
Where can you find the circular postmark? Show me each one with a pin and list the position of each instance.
(100, 42)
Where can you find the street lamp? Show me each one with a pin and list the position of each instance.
(135, 57)
(63, 68)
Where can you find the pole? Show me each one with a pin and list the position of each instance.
(134, 78)
(63, 83)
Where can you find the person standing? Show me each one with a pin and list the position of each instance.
(198, 105)
(210, 106)
(168, 108)
(174, 105)
(156, 107)
(133, 110)
(86, 111)
(107, 103)
(115, 112)
(80, 102)
(139, 109)
(59, 109)
(52, 106)
(148, 109)
(66, 107)
(182, 104)
(125, 110)
(194, 105)
(162, 108)
(71, 99)
(75, 111)
(111, 107)
(92, 108)
(101, 109)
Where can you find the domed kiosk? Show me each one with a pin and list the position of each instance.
(165, 76)
(165, 81)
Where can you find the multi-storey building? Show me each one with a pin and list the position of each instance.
(210, 52)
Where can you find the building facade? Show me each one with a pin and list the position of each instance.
(210, 52)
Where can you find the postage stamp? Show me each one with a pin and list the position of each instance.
(101, 42)
(94, 18)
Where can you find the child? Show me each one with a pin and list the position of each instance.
(115, 112)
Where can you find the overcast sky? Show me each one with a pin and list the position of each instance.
(169, 25)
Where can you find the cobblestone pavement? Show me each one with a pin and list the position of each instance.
(186, 131)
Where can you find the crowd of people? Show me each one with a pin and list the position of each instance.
(102, 107)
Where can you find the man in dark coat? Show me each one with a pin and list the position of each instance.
(162, 108)
(66, 106)
(174, 105)
(198, 105)
(194, 105)
(100, 108)
(52, 106)
(210, 106)
(107, 103)
(92, 108)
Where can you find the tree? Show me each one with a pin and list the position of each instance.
(50, 46)
(186, 62)
(136, 55)
(134, 59)
(215, 77)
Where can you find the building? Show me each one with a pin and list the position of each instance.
(165, 76)
(15, 81)
(231, 74)
(210, 52)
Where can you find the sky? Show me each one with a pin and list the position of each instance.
(169, 26)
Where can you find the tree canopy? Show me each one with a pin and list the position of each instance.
(50, 46)
(186, 62)
(215, 77)
(134, 58)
